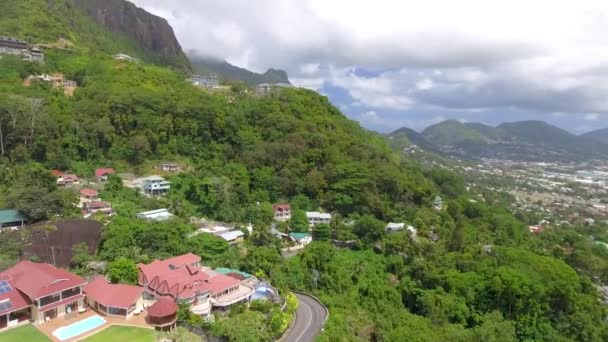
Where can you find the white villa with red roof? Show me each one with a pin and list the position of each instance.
(282, 212)
(37, 292)
(183, 279)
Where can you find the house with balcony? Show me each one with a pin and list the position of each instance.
(155, 186)
(94, 207)
(315, 218)
(205, 81)
(33, 292)
(282, 212)
(183, 280)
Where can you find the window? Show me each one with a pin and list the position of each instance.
(71, 292)
(49, 299)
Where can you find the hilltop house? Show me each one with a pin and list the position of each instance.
(206, 81)
(101, 174)
(282, 212)
(37, 293)
(315, 218)
(14, 46)
(266, 89)
(11, 219)
(182, 279)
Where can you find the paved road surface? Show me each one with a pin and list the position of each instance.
(309, 320)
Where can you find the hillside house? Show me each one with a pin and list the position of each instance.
(88, 195)
(233, 236)
(169, 167)
(182, 279)
(31, 292)
(11, 219)
(94, 207)
(282, 212)
(205, 81)
(315, 218)
(14, 46)
(156, 215)
(301, 239)
(438, 203)
(68, 179)
(56, 80)
(155, 186)
(101, 174)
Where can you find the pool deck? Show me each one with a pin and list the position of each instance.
(47, 328)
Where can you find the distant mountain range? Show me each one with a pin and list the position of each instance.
(523, 141)
(227, 71)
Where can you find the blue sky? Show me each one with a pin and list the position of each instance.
(390, 63)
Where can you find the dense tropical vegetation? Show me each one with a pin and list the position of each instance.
(471, 273)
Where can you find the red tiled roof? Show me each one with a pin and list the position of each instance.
(88, 192)
(40, 280)
(162, 308)
(276, 207)
(221, 282)
(97, 205)
(174, 277)
(70, 177)
(113, 295)
(104, 171)
(56, 173)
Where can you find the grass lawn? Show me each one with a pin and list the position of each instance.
(26, 333)
(116, 333)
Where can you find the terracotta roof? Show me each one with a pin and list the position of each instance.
(113, 295)
(56, 173)
(104, 171)
(221, 282)
(88, 192)
(276, 207)
(97, 205)
(174, 277)
(40, 280)
(162, 308)
(70, 177)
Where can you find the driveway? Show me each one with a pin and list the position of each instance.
(309, 320)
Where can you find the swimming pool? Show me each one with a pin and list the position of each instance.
(78, 328)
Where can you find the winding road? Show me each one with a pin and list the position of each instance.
(309, 320)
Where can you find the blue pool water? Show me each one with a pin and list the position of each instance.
(78, 328)
(262, 292)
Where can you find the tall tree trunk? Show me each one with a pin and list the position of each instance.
(1, 141)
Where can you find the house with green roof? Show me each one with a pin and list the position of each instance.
(11, 219)
(301, 239)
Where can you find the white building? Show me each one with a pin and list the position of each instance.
(207, 81)
(156, 215)
(315, 218)
(234, 236)
(124, 57)
(156, 186)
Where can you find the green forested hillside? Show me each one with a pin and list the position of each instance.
(472, 271)
(45, 22)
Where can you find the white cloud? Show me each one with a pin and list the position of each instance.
(592, 117)
(545, 56)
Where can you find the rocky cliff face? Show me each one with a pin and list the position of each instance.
(150, 31)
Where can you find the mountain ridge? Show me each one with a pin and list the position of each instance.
(520, 140)
(229, 72)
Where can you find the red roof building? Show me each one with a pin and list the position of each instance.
(102, 173)
(163, 313)
(183, 279)
(113, 299)
(93, 207)
(56, 173)
(88, 193)
(37, 292)
(282, 212)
